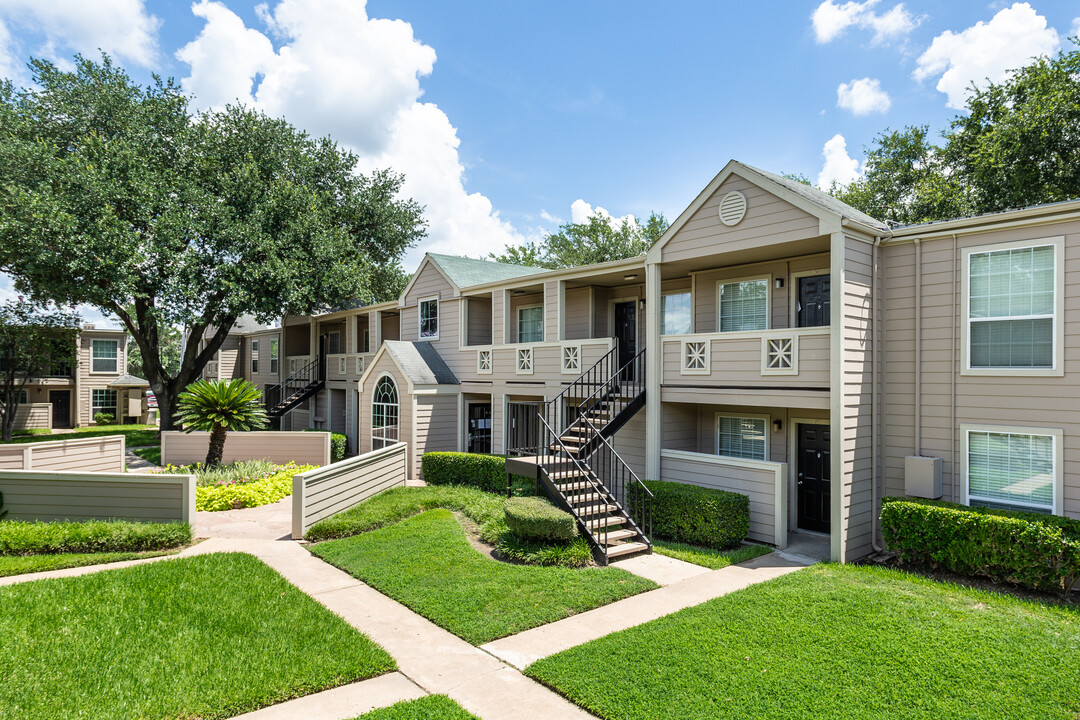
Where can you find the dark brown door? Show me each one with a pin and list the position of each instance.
(626, 333)
(480, 427)
(814, 486)
(61, 408)
(813, 301)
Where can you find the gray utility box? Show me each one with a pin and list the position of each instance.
(922, 476)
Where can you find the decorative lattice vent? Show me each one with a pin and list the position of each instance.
(733, 208)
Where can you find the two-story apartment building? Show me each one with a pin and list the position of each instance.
(774, 342)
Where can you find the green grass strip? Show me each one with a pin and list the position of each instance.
(834, 642)
(22, 564)
(203, 637)
(432, 707)
(708, 557)
(427, 563)
(152, 454)
(19, 537)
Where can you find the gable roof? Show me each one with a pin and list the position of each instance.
(420, 362)
(820, 198)
(464, 271)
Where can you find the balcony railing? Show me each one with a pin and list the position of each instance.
(791, 356)
(542, 361)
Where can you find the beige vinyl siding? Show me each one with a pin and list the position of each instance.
(89, 381)
(577, 313)
(303, 448)
(499, 301)
(707, 283)
(230, 359)
(479, 323)
(92, 455)
(33, 416)
(679, 423)
(385, 366)
(551, 310)
(601, 323)
(391, 328)
(1051, 402)
(736, 361)
(297, 332)
(263, 377)
(856, 404)
(769, 220)
(337, 421)
(48, 496)
(629, 442)
(436, 426)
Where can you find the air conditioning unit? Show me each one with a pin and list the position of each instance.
(922, 476)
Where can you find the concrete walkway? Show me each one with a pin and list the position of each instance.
(136, 464)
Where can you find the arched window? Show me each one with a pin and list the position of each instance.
(384, 413)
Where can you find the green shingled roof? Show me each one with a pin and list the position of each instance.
(464, 271)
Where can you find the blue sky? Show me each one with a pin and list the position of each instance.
(509, 118)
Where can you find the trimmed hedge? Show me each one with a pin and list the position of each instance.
(487, 472)
(18, 537)
(533, 518)
(697, 515)
(339, 444)
(1029, 549)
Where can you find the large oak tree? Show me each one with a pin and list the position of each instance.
(594, 241)
(115, 195)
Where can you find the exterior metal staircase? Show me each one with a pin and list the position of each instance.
(579, 468)
(296, 388)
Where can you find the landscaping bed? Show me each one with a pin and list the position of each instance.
(834, 642)
(427, 563)
(243, 484)
(203, 637)
(432, 707)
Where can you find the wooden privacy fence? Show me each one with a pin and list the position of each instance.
(303, 448)
(103, 454)
(325, 491)
(40, 495)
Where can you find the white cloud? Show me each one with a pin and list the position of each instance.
(123, 28)
(831, 20)
(10, 64)
(839, 167)
(88, 313)
(550, 218)
(863, 97)
(338, 72)
(987, 50)
(581, 211)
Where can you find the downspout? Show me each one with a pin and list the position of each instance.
(918, 347)
(956, 357)
(875, 429)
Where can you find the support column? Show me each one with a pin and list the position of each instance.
(836, 391)
(653, 368)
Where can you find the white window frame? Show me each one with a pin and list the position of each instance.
(1058, 368)
(521, 308)
(275, 351)
(1055, 433)
(741, 416)
(116, 356)
(329, 335)
(254, 357)
(420, 318)
(95, 409)
(753, 278)
(381, 438)
(688, 293)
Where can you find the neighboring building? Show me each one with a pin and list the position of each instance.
(97, 382)
(798, 351)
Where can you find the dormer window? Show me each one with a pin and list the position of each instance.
(429, 319)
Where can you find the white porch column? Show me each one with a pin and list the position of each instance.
(653, 368)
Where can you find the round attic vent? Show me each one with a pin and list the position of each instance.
(733, 208)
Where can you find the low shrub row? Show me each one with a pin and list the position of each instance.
(697, 515)
(533, 518)
(339, 444)
(234, 496)
(92, 536)
(486, 472)
(1028, 549)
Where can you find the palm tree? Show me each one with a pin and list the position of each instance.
(219, 406)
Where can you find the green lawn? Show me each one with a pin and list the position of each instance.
(136, 434)
(203, 637)
(153, 454)
(708, 557)
(432, 707)
(834, 642)
(21, 564)
(427, 563)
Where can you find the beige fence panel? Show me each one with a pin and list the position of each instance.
(303, 448)
(88, 455)
(33, 416)
(38, 495)
(320, 493)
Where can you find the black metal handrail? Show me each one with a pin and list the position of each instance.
(597, 375)
(295, 384)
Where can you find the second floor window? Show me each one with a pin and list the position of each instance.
(429, 318)
(531, 324)
(273, 356)
(254, 356)
(675, 314)
(103, 356)
(744, 305)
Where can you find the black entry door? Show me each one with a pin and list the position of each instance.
(813, 301)
(814, 488)
(626, 333)
(480, 427)
(61, 408)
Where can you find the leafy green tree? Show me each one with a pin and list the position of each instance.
(218, 407)
(586, 243)
(34, 342)
(170, 341)
(113, 195)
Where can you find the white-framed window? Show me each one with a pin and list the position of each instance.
(743, 436)
(1013, 302)
(102, 401)
(675, 314)
(384, 413)
(743, 305)
(530, 324)
(367, 342)
(254, 356)
(103, 357)
(1017, 468)
(429, 319)
(274, 356)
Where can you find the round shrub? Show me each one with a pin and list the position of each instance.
(487, 472)
(697, 515)
(339, 444)
(104, 418)
(533, 518)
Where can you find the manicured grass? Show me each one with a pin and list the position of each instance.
(153, 454)
(432, 707)
(709, 557)
(21, 564)
(202, 637)
(18, 537)
(427, 563)
(136, 434)
(834, 642)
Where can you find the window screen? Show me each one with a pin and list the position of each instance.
(1011, 470)
(744, 305)
(740, 437)
(531, 324)
(1011, 308)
